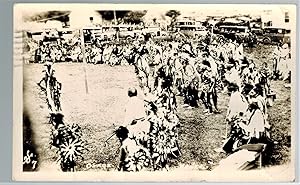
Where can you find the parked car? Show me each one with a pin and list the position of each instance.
(107, 34)
(274, 35)
(190, 28)
(155, 32)
(240, 33)
(257, 31)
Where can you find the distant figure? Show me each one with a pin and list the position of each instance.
(256, 126)
(237, 105)
(285, 62)
(265, 77)
(276, 58)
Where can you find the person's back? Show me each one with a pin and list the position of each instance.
(134, 110)
(214, 66)
(256, 123)
(237, 105)
(233, 76)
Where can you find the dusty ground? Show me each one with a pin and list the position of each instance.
(101, 110)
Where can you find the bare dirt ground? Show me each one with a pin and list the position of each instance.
(101, 110)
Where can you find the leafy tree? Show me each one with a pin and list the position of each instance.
(173, 14)
(134, 17)
(62, 16)
(109, 14)
(131, 17)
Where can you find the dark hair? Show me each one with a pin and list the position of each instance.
(247, 88)
(265, 64)
(245, 61)
(122, 133)
(205, 62)
(56, 119)
(232, 87)
(132, 92)
(258, 89)
(253, 106)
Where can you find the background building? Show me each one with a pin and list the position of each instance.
(277, 18)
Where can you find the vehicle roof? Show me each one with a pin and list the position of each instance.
(229, 26)
(189, 26)
(186, 21)
(274, 28)
(92, 28)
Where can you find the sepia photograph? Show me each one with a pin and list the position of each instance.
(154, 92)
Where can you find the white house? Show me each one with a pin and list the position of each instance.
(84, 17)
(277, 17)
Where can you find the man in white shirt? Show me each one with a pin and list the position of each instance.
(237, 104)
(135, 115)
(276, 58)
(134, 110)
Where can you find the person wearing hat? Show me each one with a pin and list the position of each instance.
(239, 52)
(257, 126)
(52, 87)
(115, 55)
(231, 46)
(284, 62)
(232, 73)
(178, 73)
(206, 87)
(237, 103)
(48, 65)
(214, 50)
(257, 95)
(106, 53)
(246, 70)
(276, 58)
(128, 150)
(265, 76)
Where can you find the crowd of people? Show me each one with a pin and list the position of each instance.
(197, 71)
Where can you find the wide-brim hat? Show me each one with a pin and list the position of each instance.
(254, 105)
(206, 63)
(135, 42)
(233, 85)
(229, 65)
(48, 62)
(285, 46)
(214, 43)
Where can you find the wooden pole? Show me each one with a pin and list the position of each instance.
(212, 32)
(117, 29)
(84, 60)
(115, 17)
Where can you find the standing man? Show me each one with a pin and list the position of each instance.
(276, 58)
(134, 110)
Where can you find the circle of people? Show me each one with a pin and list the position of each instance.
(196, 71)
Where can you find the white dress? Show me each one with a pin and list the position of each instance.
(256, 123)
(134, 110)
(284, 62)
(237, 104)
